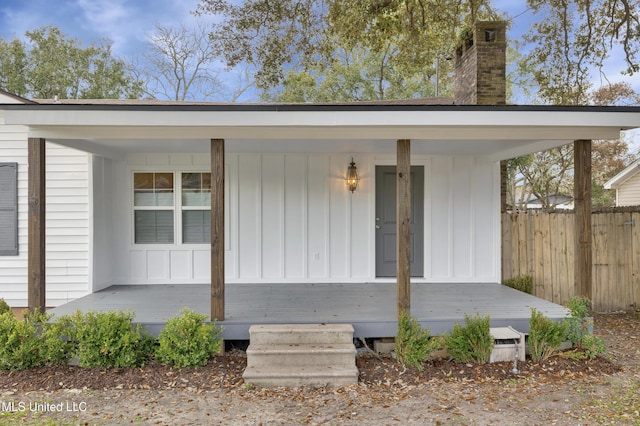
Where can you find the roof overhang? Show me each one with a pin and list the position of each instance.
(630, 171)
(495, 132)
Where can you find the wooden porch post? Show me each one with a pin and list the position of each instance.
(36, 288)
(403, 223)
(582, 206)
(217, 229)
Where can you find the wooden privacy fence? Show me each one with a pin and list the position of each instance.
(541, 244)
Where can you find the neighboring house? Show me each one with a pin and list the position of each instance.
(129, 184)
(533, 202)
(627, 185)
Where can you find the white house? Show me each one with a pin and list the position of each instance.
(68, 216)
(627, 185)
(160, 192)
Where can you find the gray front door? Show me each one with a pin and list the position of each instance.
(386, 221)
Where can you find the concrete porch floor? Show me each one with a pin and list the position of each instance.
(369, 307)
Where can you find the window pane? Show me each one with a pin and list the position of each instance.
(206, 181)
(143, 180)
(153, 189)
(154, 227)
(196, 226)
(164, 181)
(191, 180)
(196, 189)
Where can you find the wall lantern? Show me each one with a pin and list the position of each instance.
(352, 176)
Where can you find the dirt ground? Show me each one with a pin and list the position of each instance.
(560, 391)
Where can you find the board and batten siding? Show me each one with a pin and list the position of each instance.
(628, 194)
(291, 218)
(68, 222)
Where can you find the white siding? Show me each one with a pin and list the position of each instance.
(629, 192)
(68, 223)
(290, 218)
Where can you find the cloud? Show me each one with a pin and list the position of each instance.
(126, 23)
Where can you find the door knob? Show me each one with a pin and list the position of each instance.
(377, 226)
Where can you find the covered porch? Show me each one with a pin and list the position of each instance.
(368, 307)
(297, 220)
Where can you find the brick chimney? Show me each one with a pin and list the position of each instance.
(480, 66)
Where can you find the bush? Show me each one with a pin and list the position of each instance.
(4, 307)
(188, 341)
(19, 343)
(110, 340)
(33, 341)
(545, 336)
(471, 343)
(593, 346)
(523, 283)
(580, 326)
(56, 341)
(580, 323)
(413, 344)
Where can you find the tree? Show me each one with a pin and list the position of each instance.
(354, 75)
(51, 64)
(13, 67)
(180, 64)
(287, 37)
(272, 36)
(548, 174)
(571, 38)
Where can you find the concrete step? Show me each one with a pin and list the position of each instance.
(283, 334)
(301, 376)
(301, 354)
(340, 354)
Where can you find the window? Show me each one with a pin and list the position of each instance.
(8, 209)
(153, 201)
(157, 197)
(196, 208)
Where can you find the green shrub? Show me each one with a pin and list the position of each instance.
(110, 340)
(579, 322)
(188, 341)
(413, 344)
(4, 307)
(523, 283)
(19, 344)
(56, 340)
(580, 326)
(471, 343)
(545, 336)
(593, 346)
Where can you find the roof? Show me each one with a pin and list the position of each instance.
(630, 171)
(147, 102)
(436, 127)
(8, 97)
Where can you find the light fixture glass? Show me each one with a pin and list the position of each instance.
(352, 176)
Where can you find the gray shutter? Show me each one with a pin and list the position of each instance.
(8, 209)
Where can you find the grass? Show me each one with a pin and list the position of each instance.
(620, 407)
(35, 419)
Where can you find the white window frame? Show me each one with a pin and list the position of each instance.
(193, 208)
(177, 208)
(152, 208)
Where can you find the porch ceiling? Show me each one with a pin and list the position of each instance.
(497, 132)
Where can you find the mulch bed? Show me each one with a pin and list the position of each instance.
(225, 371)
(621, 331)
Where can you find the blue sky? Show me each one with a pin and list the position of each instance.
(128, 23)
